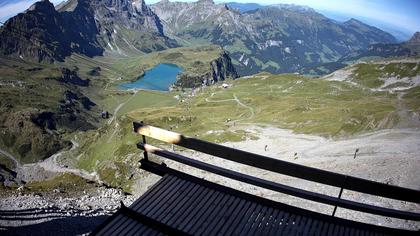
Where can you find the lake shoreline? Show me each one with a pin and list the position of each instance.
(159, 78)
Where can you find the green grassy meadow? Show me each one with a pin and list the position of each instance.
(331, 109)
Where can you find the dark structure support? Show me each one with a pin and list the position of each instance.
(339, 195)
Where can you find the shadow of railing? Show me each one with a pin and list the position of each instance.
(49, 221)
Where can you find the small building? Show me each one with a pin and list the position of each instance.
(105, 115)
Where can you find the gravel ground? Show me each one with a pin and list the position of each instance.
(56, 213)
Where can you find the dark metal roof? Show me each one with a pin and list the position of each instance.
(180, 204)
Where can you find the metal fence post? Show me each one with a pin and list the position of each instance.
(339, 195)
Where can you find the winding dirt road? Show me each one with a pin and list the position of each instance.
(51, 167)
(235, 99)
(115, 118)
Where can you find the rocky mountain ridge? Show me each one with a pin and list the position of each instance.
(276, 39)
(411, 48)
(415, 39)
(46, 34)
(221, 69)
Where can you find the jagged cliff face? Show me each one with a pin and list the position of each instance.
(277, 39)
(126, 26)
(81, 26)
(220, 69)
(198, 19)
(134, 15)
(44, 34)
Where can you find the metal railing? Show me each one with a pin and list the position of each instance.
(282, 167)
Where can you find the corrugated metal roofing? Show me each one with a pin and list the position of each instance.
(185, 205)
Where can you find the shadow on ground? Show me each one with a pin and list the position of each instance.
(46, 222)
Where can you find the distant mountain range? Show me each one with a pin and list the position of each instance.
(277, 38)
(411, 48)
(401, 35)
(245, 7)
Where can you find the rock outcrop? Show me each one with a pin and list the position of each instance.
(220, 69)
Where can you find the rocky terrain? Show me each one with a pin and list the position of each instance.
(43, 33)
(63, 209)
(24, 212)
(39, 106)
(277, 38)
(64, 95)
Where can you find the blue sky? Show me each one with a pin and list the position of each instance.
(403, 15)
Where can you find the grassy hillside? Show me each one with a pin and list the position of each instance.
(375, 75)
(39, 104)
(43, 104)
(323, 107)
(320, 107)
(194, 60)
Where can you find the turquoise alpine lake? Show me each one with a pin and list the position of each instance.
(160, 78)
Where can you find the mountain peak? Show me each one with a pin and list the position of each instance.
(415, 39)
(43, 5)
(140, 5)
(206, 1)
(354, 21)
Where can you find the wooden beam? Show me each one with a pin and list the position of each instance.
(279, 166)
(157, 133)
(312, 196)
